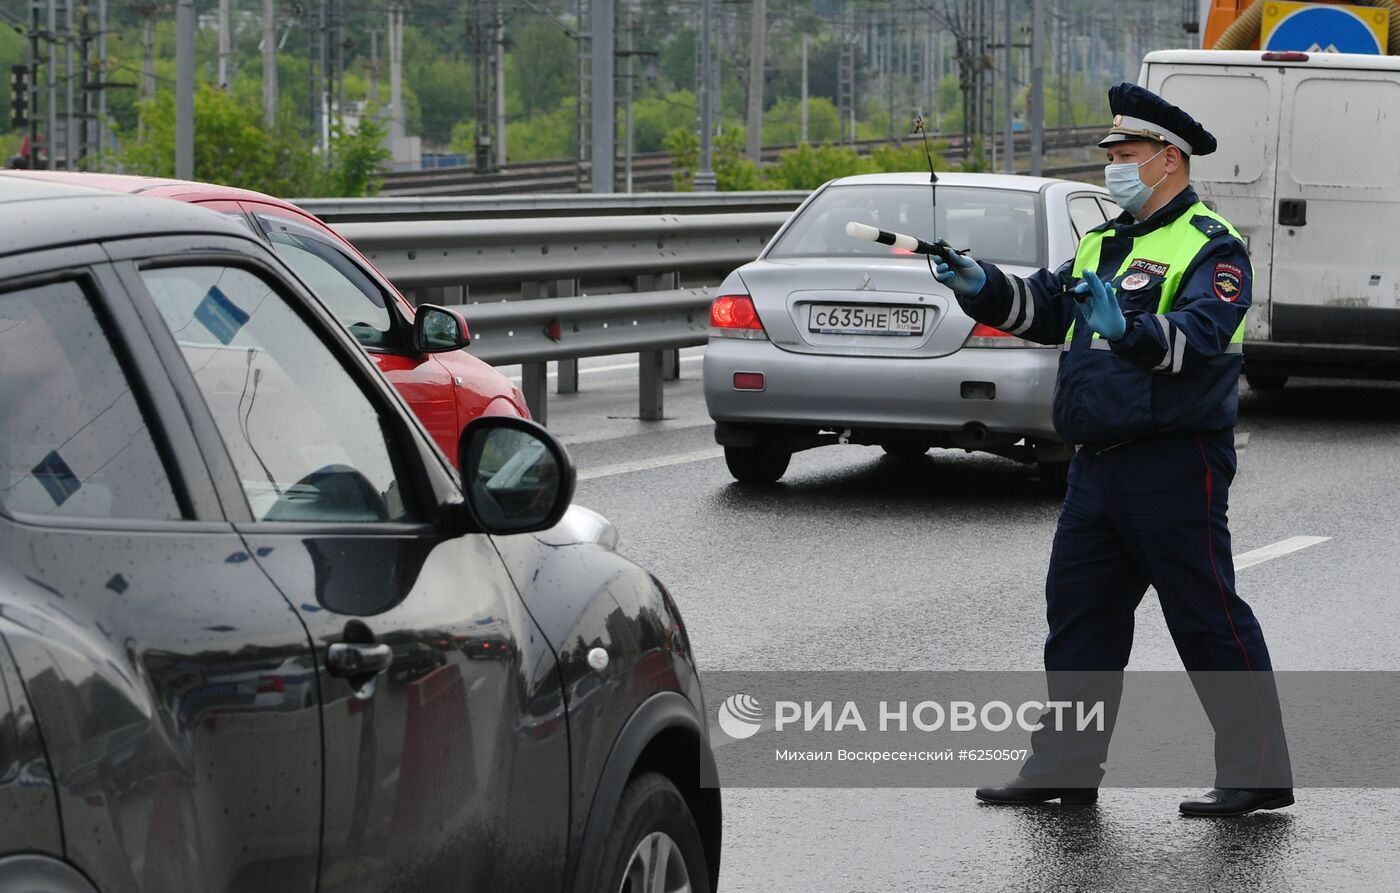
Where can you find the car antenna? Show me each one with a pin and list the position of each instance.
(919, 127)
(910, 243)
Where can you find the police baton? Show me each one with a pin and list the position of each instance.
(940, 249)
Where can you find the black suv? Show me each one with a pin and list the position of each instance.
(255, 634)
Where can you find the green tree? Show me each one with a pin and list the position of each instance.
(782, 124)
(540, 68)
(733, 172)
(908, 157)
(976, 159)
(677, 60)
(357, 155)
(442, 86)
(544, 136)
(808, 167)
(233, 147)
(230, 146)
(653, 117)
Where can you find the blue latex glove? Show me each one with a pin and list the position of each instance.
(1101, 311)
(964, 277)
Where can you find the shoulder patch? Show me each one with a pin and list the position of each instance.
(1229, 280)
(1209, 225)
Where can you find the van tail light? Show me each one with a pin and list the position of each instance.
(734, 316)
(1286, 57)
(986, 336)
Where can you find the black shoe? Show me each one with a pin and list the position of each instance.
(1019, 792)
(1237, 801)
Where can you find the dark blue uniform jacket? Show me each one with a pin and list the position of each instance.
(1175, 372)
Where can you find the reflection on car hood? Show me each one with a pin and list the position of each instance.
(581, 526)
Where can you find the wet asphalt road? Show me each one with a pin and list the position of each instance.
(856, 560)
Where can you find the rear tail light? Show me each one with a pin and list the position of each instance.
(271, 684)
(986, 336)
(734, 316)
(1285, 57)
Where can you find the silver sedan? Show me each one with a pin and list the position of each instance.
(825, 338)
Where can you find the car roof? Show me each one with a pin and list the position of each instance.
(41, 214)
(951, 178)
(161, 186)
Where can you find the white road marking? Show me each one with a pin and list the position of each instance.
(1276, 550)
(615, 367)
(647, 464)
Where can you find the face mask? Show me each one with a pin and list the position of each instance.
(1125, 185)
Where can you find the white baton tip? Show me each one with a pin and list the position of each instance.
(908, 243)
(862, 231)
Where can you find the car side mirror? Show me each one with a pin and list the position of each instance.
(437, 329)
(516, 476)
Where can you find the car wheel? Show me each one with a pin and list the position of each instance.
(654, 844)
(905, 450)
(756, 465)
(1054, 477)
(1264, 381)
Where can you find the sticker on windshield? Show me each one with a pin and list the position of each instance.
(219, 315)
(57, 479)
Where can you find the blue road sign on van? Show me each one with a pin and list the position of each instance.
(1324, 29)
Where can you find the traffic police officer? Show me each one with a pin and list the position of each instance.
(1150, 316)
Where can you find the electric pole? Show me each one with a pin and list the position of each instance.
(269, 62)
(753, 149)
(499, 66)
(184, 89)
(1008, 90)
(396, 117)
(806, 45)
(1037, 97)
(374, 67)
(705, 176)
(601, 93)
(225, 41)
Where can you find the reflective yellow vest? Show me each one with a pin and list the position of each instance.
(1179, 239)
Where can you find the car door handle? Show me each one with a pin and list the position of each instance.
(355, 659)
(1292, 212)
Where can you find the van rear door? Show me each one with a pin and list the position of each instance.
(1238, 103)
(1336, 263)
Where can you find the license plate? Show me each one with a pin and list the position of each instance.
(865, 319)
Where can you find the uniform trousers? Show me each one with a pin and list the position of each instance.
(1152, 512)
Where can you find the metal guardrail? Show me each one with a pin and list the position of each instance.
(480, 258)
(591, 285)
(533, 333)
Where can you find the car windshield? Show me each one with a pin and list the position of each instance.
(995, 224)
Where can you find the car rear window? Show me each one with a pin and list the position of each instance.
(995, 224)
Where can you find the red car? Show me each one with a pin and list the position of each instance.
(446, 389)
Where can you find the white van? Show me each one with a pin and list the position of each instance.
(1308, 171)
